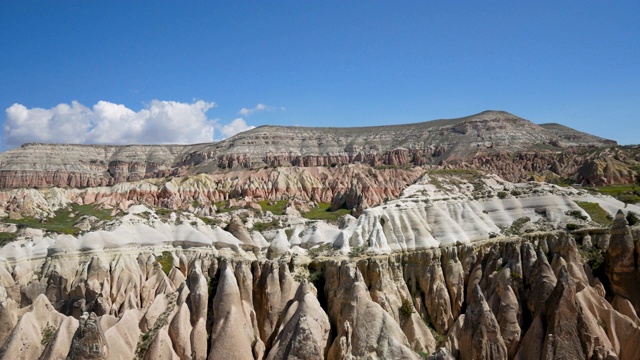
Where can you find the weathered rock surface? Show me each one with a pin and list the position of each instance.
(475, 139)
(488, 300)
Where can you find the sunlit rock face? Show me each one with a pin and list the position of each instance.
(495, 141)
(498, 299)
(298, 243)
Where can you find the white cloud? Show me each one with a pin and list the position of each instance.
(236, 126)
(160, 122)
(259, 107)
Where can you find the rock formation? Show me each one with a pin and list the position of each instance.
(350, 308)
(225, 250)
(483, 140)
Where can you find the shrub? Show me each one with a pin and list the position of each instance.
(516, 226)
(166, 261)
(47, 334)
(357, 251)
(502, 194)
(575, 214)
(326, 249)
(406, 309)
(273, 224)
(593, 257)
(632, 218)
(572, 226)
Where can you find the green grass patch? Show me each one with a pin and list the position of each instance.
(162, 212)
(627, 193)
(322, 212)
(91, 210)
(596, 213)
(166, 262)
(62, 222)
(210, 221)
(222, 207)
(263, 226)
(7, 237)
(276, 208)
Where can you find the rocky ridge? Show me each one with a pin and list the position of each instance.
(530, 297)
(474, 140)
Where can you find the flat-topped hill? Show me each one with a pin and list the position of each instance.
(424, 143)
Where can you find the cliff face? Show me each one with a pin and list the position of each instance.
(526, 298)
(479, 140)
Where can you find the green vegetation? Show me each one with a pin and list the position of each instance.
(322, 212)
(7, 237)
(222, 206)
(276, 208)
(406, 309)
(263, 226)
(163, 212)
(632, 218)
(576, 214)
(502, 194)
(289, 233)
(147, 338)
(515, 276)
(516, 226)
(311, 276)
(326, 249)
(209, 221)
(596, 213)
(627, 193)
(594, 257)
(166, 261)
(62, 222)
(357, 251)
(47, 334)
(440, 338)
(572, 226)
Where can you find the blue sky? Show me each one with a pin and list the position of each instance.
(162, 71)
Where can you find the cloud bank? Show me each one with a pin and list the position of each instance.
(160, 122)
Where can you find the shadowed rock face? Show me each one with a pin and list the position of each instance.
(209, 306)
(481, 140)
(623, 269)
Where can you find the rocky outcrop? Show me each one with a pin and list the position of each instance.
(482, 300)
(89, 341)
(480, 334)
(622, 265)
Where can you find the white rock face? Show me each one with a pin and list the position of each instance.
(435, 211)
